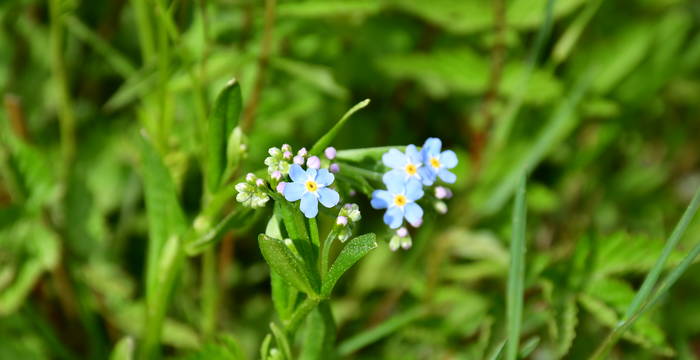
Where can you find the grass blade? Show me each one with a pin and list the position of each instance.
(516, 274)
(326, 139)
(365, 338)
(653, 275)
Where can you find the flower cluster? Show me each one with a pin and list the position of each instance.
(252, 193)
(311, 186)
(409, 172)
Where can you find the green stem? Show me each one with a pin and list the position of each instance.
(300, 314)
(350, 169)
(210, 296)
(516, 273)
(313, 229)
(66, 116)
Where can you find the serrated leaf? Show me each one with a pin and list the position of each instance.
(287, 264)
(567, 326)
(223, 119)
(353, 251)
(622, 253)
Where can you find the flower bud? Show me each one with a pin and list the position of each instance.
(341, 220)
(280, 187)
(299, 160)
(442, 192)
(441, 207)
(330, 153)
(286, 148)
(302, 152)
(334, 168)
(273, 151)
(250, 177)
(260, 182)
(287, 155)
(276, 175)
(313, 162)
(402, 232)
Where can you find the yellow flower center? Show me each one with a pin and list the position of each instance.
(434, 162)
(400, 200)
(311, 186)
(411, 169)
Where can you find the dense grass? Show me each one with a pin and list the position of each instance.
(126, 124)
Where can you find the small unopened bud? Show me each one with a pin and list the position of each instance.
(402, 232)
(274, 151)
(313, 162)
(330, 153)
(406, 244)
(299, 160)
(341, 220)
(286, 148)
(280, 187)
(287, 155)
(276, 175)
(442, 192)
(302, 152)
(441, 207)
(250, 177)
(260, 182)
(334, 168)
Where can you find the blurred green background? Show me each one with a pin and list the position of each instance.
(600, 99)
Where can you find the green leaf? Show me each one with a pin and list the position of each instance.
(516, 273)
(283, 295)
(288, 265)
(326, 139)
(165, 216)
(123, 350)
(567, 326)
(353, 251)
(317, 75)
(224, 348)
(329, 8)
(389, 326)
(222, 121)
(319, 336)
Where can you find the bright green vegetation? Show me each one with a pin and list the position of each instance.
(572, 232)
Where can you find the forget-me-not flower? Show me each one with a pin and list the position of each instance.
(311, 186)
(399, 200)
(439, 162)
(408, 165)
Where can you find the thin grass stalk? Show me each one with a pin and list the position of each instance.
(516, 273)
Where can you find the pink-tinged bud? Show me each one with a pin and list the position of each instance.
(276, 175)
(250, 177)
(406, 244)
(330, 152)
(440, 192)
(402, 232)
(299, 160)
(313, 162)
(302, 152)
(341, 220)
(260, 182)
(280, 187)
(347, 206)
(334, 168)
(286, 148)
(287, 155)
(417, 223)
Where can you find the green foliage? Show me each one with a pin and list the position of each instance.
(122, 137)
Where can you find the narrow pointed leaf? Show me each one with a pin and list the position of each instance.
(516, 275)
(326, 139)
(351, 253)
(288, 265)
(222, 121)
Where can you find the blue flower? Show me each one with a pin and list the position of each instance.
(311, 186)
(399, 200)
(439, 162)
(408, 165)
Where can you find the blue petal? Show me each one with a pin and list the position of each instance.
(394, 181)
(431, 147)
(426, 175)
(381, 199)
(324, 177)
(448, 159)
(293, 191)
(394, 159)
(414, 190)
(309, 205)
(329, 198)
(311, 173)
(413, 213)
(446, 176)
(393, 217)
(413, 154)
(297, 173)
